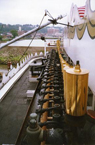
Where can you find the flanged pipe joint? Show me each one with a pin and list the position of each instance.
(34, 131)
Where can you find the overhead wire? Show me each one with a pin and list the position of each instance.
(46, 13)
(32, 38)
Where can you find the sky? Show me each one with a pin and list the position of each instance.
(32, 11)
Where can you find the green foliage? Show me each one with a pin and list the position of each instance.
(14, 33)
(1, 37)
(26, 27)
(2, 58)
(5, 39)
(7, 28)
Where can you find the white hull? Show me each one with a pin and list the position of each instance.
(80, 46)
(86, 55)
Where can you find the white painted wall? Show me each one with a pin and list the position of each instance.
(84, 51)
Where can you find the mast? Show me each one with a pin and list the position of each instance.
(32, 31)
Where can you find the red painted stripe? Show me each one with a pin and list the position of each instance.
(81, 8)
(81, 16)
(81, 13)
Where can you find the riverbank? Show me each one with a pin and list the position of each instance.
(3, 69)
(14, 53)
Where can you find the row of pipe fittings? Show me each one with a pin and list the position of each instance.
(49, 127)
(52, 90)
(34, 131)
(63, 103)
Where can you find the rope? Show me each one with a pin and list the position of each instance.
(46, 13)
(32, 39)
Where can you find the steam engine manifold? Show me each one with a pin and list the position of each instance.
(61, 116)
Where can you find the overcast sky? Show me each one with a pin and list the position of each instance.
(32, 11)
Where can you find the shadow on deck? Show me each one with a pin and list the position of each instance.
(13, 110)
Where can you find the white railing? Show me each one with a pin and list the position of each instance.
(14, 70)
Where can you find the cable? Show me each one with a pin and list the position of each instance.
(65, 24)
(53, 22)
(47, 12)
(32, 39)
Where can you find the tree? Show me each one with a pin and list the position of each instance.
(1, 37)
(14, 33)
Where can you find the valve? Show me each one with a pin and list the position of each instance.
(56, 92)
(34, 131)
(56, 99)
(48, 92)
(53, 81)
(56, 109)
(47, 86)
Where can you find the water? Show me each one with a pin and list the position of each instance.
(27, 42)
(35, 42)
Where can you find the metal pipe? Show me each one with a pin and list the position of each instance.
(31, 31)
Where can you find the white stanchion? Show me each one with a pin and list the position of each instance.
(14, 74)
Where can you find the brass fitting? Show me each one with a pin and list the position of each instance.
(77, 67)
